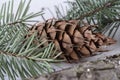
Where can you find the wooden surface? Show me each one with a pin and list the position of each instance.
(95, 70)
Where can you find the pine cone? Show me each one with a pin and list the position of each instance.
(73, 40)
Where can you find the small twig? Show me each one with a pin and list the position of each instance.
(108, 4)
(26, 57)
(12, 23)
(106, 68)
(12, 54)
(112, 20)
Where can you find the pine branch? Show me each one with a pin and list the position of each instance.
(106, 5)
(20, 56)
(17, 48)
(21, 16)
(29, 57)
(100, 12)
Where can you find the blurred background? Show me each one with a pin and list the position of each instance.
(47, 5)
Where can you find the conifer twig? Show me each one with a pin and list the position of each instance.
(108, 4)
